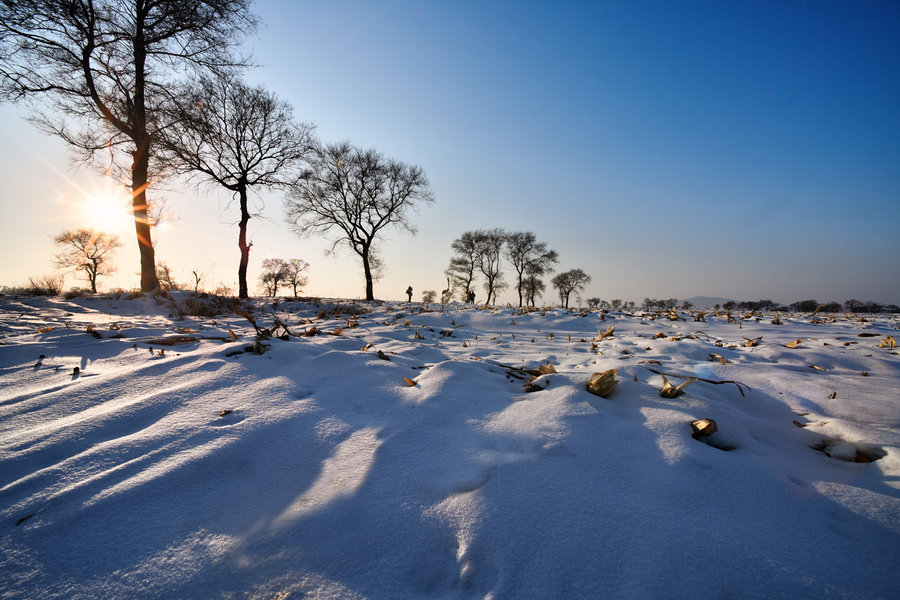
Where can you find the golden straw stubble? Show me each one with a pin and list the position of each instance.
(603, 384)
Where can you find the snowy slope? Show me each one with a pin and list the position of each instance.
(332, 477)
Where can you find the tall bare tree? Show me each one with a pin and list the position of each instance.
(525, 253)
(110, 66)
(88, 251)
(464, 263)
(238, 137)
(356, 194)
(568, 282)
(489, 244)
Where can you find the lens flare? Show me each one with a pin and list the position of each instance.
(105, 208)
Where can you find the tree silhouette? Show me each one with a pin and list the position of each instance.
(296, 274)
(110, 65)
(568, 282)
(532, 284)
(238, 137)
(275, 271)
(464, 263)
(355, 195)
(88, 251)
(525, 253)
(488, 245)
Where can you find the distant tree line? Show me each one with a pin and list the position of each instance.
(482, 254)
(869, 306)
(851, 306)
(649, 304)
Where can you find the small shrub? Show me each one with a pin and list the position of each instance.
(224, 290)
(77, 293)
(338, 310)
(47, 285)
(120, 293)
(50, 285)
(201, 304)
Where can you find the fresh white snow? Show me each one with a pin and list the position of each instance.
(332, 477)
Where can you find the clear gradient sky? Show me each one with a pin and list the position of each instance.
(670, 149)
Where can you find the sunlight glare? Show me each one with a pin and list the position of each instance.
(105, 208)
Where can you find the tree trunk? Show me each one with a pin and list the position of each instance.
(140, 167)
(242, 242)
(520, 290)
(367, 269)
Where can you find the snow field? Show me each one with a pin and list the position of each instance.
(329, 476)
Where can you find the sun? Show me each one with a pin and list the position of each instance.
(105, 208)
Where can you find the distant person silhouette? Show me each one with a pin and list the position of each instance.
(409, 293)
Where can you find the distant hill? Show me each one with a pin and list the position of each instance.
(706, 301)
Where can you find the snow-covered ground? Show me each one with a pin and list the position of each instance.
(309, 466)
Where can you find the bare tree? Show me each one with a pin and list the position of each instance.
(238, 137)
(568, 282)
(356, 194)
(464, 263)
(489, 244)
(275, 271)
(296, 274)
(88, 251)
(524, 251)
(532, 284)
(110, 65)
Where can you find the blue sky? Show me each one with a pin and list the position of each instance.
(670, 149)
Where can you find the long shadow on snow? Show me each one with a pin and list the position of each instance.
(225, 485)
(379, 539)
(658, 519)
